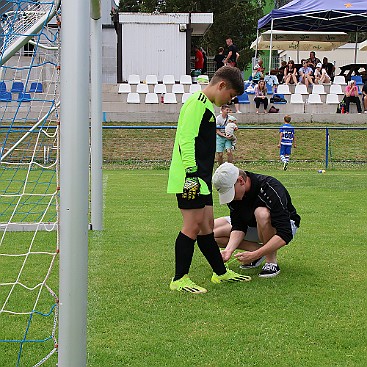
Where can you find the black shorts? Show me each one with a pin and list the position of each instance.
(200, 202)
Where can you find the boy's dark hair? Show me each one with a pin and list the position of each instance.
(232, 76)
(287, 119)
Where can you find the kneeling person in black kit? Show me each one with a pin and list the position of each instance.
(259, 204)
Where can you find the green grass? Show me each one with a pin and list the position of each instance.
(147, 148)
(312, 314)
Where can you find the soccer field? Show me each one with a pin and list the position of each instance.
(312, 314)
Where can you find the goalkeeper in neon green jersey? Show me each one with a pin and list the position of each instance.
(190, 179)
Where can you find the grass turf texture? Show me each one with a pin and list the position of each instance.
(312, 314)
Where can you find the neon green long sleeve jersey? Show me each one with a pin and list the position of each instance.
(194, 144)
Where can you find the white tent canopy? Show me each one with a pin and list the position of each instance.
(300, 41)
(363, 46)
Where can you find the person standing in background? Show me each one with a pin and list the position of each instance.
(286, 140)
(199, 59)
(219, 57)
(233, 55)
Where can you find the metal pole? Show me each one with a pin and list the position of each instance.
(74, 180)
(96, 124)
(271, 45)
(356, 48)
(326, 148)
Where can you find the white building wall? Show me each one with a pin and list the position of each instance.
(153, 49)
(109, 56)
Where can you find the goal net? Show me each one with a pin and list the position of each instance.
(29, 161)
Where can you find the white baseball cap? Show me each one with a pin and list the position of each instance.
(224, 179)
(319, 65)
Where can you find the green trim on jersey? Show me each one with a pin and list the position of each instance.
(192, 114)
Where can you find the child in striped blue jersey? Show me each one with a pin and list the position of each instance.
(287, 139)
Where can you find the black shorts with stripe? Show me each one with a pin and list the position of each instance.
(200, 202)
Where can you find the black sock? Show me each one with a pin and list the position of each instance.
(184, 249)
(208, 246)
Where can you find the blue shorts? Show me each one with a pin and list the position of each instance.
(222, 144)
(285, 149)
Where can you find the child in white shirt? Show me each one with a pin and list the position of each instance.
(230, 128)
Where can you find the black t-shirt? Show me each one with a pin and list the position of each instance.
(364, 88)
(232, 48)
(329, 68)
(219, 60)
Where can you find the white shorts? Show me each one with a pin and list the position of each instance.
(252, 235)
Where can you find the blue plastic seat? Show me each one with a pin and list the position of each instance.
(280, 96)
(36, 88)
(24, 97)
(243, 98)
(358, 79)
(2, 87)
(17, 87)
(5, 96)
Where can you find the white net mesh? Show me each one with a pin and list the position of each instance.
(29, 153)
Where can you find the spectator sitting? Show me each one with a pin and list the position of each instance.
(258, 72)
(351, 95)
(305, 74)
(280, 74)
(321, 75)
(290, 73)
(313, 60)
(260, 96)
(329, 67)
(272, 80)
(364, 97)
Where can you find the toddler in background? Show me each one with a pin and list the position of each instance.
(230, 128)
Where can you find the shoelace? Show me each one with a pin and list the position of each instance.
(270, 266)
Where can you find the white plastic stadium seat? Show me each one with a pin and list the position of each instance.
(151, 79)
(296, 98)
(339, 79)
(185, 79)
(160, 88)
(194, 88)
(300, 89)
(170, 98)
(124, 88)
(178, 88)
(133, 79)
(142, 88)
(151, 98)
(133, 98)
(185, 96)
(314, 99)
(283, 89)
(318, 89)
(332, 99)
(168, 79)
(336, 89)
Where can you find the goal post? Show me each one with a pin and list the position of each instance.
(74, 182)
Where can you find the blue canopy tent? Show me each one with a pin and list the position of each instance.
(318, 15)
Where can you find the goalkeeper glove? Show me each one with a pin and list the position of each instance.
(191, 189)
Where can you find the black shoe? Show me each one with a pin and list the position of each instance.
(269, 270)
(285, 166)
(254, 264)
